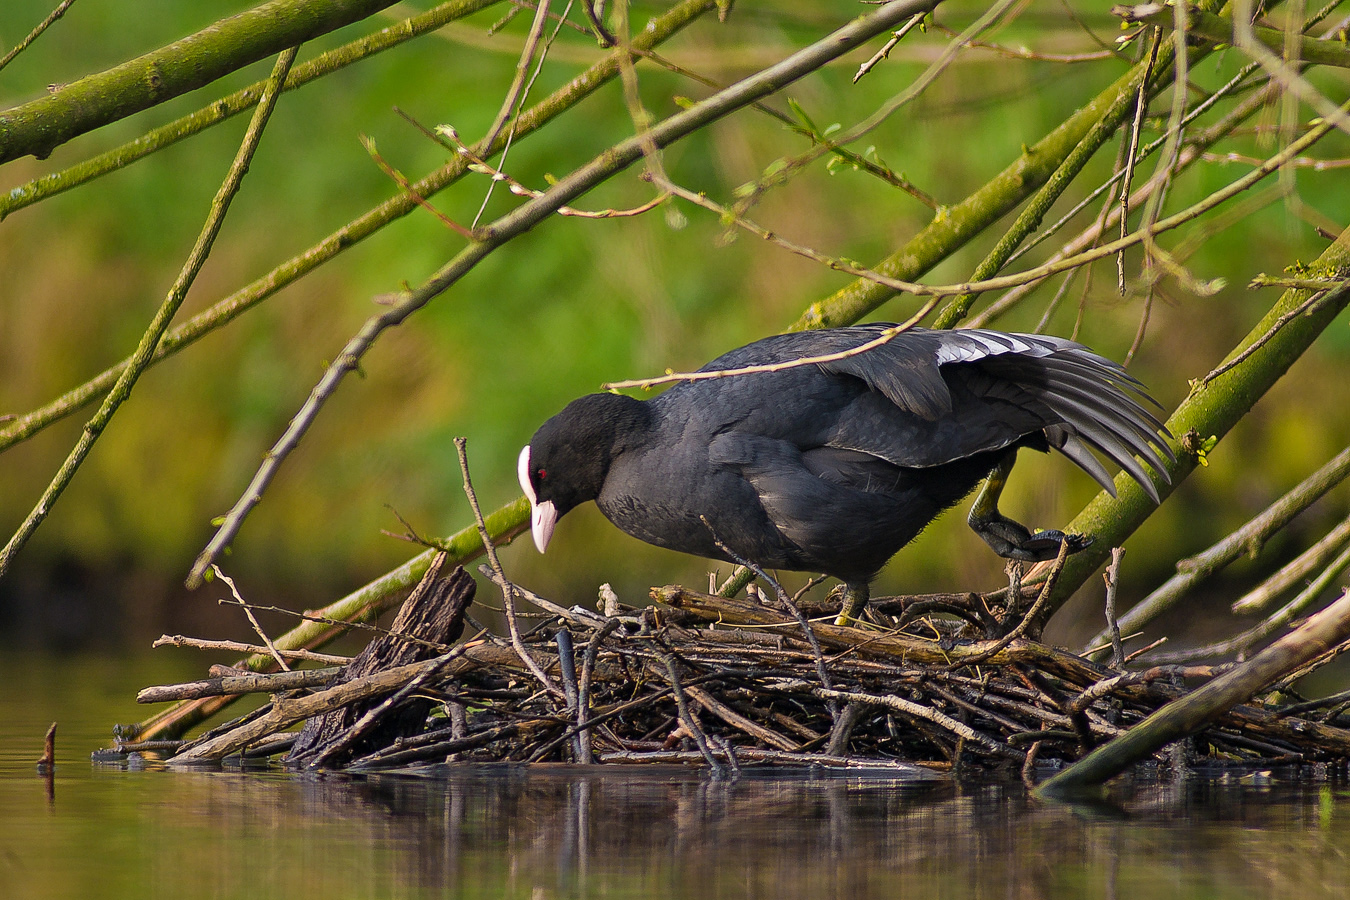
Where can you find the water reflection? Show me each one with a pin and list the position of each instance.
(498, 832)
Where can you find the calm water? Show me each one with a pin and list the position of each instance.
(108, 832)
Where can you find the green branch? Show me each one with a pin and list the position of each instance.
(1194, 711)
(228, 107)
(41, 125)
(1219, 30)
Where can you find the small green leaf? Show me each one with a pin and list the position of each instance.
(802, 116)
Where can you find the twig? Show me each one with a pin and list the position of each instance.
(252, 619)
(584, 689)
(842, 730)
(736, 720)
(885, 51)
(787, 605)
(583, 618)
(238, 684)
(406, 186)
(885, 337)
(917, 710)
(46, 763)
(1094, 692)
(1304, 308)
(515, 93)
(508, 590)
(567, 668)
(1140, 108)
(1112, 579)
(36, 32)
(178, 640)
(482, 167)
(782, 757)
(687, 719)
(531, 43)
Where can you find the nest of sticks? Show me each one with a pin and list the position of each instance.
(936, 682)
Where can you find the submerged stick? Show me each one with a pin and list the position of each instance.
(1196, 710)
(47, 762)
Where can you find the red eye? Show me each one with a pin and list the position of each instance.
(542, 474)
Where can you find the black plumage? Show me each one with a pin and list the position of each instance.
(835, 465)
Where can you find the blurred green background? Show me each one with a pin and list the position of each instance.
(557, 312)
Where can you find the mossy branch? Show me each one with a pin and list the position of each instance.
(1206, 704)
(1219, 30)
(41, 125)
(227, 107)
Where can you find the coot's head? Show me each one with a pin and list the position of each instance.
(566, 461)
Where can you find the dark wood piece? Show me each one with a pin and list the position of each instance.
(431, 618)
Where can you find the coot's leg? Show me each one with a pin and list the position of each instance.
(855, 598)
(1009, 539)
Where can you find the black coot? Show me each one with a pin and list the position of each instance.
(835, 465)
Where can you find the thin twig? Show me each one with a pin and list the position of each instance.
(508, 592)
(1141, 107)
(687, 719)
(252, 619)
(885, 51)
(788, 606)
(1112, 579)
(36, 32)
(1304, 308)
(516, 94)
(178, 640)
(885, 337)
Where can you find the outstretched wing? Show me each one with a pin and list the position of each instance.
(938, 396)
